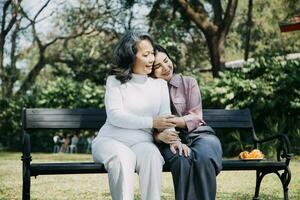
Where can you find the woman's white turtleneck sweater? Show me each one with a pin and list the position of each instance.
(131, 106)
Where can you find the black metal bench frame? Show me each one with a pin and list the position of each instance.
(94, 118)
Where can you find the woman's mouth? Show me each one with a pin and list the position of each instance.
(149, 66)
(166, 73)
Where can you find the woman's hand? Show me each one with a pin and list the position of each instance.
(181, 148)
(167, 137)
(163, 122)
(179, 121)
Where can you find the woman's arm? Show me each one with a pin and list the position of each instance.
(165, 115)
(194, 116)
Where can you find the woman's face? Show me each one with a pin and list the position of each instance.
(144, 58)
(163, 66)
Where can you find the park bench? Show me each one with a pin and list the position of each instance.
(38, 119)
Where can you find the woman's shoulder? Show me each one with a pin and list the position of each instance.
(112, 80)
(158, 81)
(189, 79)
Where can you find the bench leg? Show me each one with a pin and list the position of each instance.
(259, 176)
(26, 159)
(26, 185)
(285, 178)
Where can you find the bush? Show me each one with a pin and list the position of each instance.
(270, 87)
(60, 93)
(10, 121)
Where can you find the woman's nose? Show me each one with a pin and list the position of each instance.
(151, 59)
(165, 67)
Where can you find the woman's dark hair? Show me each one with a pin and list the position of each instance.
(124, 54)
(159, 48)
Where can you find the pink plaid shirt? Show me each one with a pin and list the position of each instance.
(186, 98)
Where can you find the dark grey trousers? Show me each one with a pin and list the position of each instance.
(194, 177)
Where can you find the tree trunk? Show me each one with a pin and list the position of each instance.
(11, 72)
(215, 31)
(30, 79)
(216, 53)
(1, 64)
(248, 30)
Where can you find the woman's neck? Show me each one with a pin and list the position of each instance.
(140, 78)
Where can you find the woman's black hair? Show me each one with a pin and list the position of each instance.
(159, 48)
(124, 54)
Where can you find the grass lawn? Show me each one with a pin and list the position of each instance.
(231, 185)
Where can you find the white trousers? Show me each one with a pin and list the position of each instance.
(122, 161)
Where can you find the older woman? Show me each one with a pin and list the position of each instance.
(133, 101)
(194, 172)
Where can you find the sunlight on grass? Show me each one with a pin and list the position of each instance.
(232, 185)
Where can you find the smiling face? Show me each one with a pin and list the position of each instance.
(163, 66)
(144, 58)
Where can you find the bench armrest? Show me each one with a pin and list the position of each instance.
(284, 147)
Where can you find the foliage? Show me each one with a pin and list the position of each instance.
(86, 58)
(182, 39)
(59, 93)
(10, 118)
(265, 32)
(269, 87)
(66, 93)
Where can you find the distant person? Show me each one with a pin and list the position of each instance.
(89, 143)
(74, 142)
(57, 143)
(65, 144)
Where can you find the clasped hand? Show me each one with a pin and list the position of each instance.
(164, 122)
(172, 138)
(182, 148)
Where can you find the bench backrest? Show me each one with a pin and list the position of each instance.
(95, 118)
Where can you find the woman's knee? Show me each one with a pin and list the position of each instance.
(175, 159)
(113, 154)
(148, 153)
(208, 143)
(122, 160)
(208, 152)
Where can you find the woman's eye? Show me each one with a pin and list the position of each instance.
(156, 67)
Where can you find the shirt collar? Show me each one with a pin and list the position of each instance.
(139, 78)
(175, 80)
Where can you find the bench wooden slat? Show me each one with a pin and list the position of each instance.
(65, 125)
(229, 165)
(238, 118)
(91, 167)
(225, 112)
(64, 118)
(80, 111)
(66, 168)
(214, 124)
(95, 118)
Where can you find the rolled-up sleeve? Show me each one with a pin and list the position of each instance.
(193, 116)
